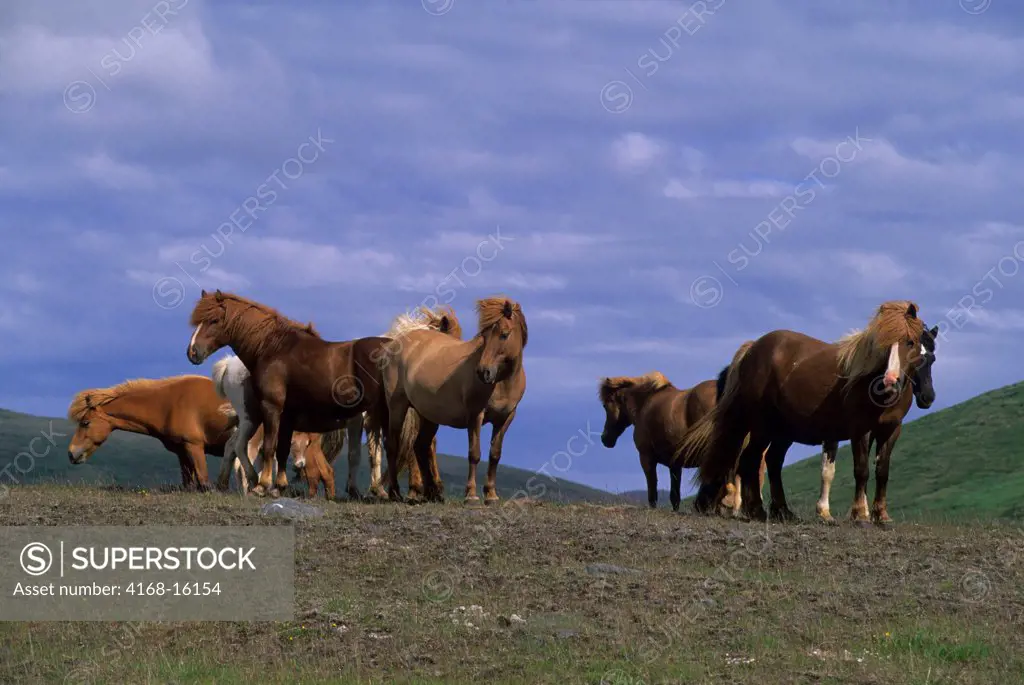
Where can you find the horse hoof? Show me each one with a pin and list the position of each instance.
(491, 501)
(473, 501)
(354, 495)
(862, 523)
(828, 521)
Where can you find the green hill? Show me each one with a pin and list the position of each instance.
(139, 461)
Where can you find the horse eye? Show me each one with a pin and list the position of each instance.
(85, 424)
(504, 336)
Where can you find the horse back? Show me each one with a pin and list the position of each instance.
(191, 411)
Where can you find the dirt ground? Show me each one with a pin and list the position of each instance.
(560, 594)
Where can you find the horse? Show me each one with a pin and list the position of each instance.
(233, 382)
(302, 381)
(924, 395)
(183, 412)
(789, 387)
(460, 384)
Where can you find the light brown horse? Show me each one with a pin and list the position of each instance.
(660, 414)
(302, 382)
(789, 387)
(448, 382)
(183, 412)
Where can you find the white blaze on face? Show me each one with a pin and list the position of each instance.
(892, 371)
(192, 342)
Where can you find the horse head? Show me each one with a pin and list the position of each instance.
(504, 334)
(209, 317)
(92, 431)
(616, 416)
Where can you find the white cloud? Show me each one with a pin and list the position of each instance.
(635, 151)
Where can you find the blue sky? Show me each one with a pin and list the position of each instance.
(668, 182)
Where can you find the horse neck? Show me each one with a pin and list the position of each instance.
(635, 400)
(250, 349)
(132, 413)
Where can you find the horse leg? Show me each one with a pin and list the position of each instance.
(773, 460)
(196, 456)
(328, 477)
(426, 460)
(408, 455)
(284, 447)
(271, 430)
(749, 466)
(398, 407)
(883, 449)
(354, 429)
(373, 451)
(473, 431)
(676, 476)
(227, 462)
(859, 510)
(828, 473)
(650, 468)
(494, 457)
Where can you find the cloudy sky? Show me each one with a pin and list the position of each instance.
(655, 182)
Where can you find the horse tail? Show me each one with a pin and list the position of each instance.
(407, 442)
(331, 443)
(228, 410)
(723, 376)
(715, 442)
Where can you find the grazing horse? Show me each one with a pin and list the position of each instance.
(460, 384)
(789, 387)
(302, 381)
(182, 412)
(924, 394)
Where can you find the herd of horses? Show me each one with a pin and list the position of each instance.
(287, 391)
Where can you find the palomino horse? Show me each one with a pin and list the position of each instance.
(448, 382)
(924, 394)
(660, 414)
(182, 412)
(302, 381)
(789, 387)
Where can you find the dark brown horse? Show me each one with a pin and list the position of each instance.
(789, 387)
(660, 414)
(302, 382)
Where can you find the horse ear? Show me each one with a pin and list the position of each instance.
(912, 311)
(445, 325)
(219, 295)
(506, 311)
(935, 332)
(202, 293)
(88, 401)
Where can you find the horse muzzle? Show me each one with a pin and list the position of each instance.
(487, 375)
(77, 457)
(607, 441)
(195, 356)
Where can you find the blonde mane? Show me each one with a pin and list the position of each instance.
(423, 318)
(862, 351)
(250, 319)
(650, 382)
(86, 400)
(492, 309)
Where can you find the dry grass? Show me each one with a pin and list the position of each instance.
(616, 594)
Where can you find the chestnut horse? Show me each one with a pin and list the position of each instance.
(302, 381)
(660, 414)
(448, 382)
(789, 387)
(924, 394)
(182, 412)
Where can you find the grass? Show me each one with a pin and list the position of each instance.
(449, 594)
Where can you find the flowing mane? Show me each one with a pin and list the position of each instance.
(492, 309)
(249, 319)
(97, 397)
(653, 381)
(861, 351)
(424, 318)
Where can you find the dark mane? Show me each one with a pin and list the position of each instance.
(492, 309)
(246, 318)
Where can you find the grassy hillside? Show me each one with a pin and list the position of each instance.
(560, 594)
(133, 460)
